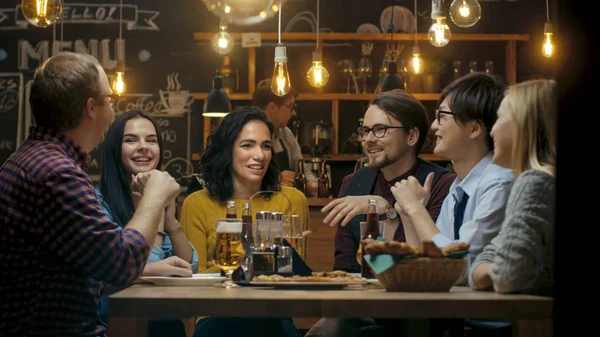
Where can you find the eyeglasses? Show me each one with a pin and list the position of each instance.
(112, 100)
(293, 106)
(439, 112)
(379, 130)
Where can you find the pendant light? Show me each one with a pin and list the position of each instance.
(317, 75)
(548, 47)
(118, 86)
(465, 13)
(222, 42)
(416, 63)
(280, 82)
(42, 13)
(217, 102)
(391, 80)
(439, 33)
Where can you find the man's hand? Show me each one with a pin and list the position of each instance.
(409, 193)
(171, 266)
(158, 185)
(287, 178)
(346, 208)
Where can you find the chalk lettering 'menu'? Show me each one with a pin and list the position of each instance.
(26, 52)
(92, 47)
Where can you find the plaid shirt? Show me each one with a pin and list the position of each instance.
(57, 247)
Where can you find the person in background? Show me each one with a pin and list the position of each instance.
(286, 150)
(474, 209)
(235, 166)
(520, 259)
(394, 130)
(133, 145)
(58, 247)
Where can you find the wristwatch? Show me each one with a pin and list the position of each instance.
(390, 213)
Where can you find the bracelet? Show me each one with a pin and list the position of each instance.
(162, 234)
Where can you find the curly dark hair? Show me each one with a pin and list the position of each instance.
(217, 160)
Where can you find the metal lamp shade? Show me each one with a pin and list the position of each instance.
(391, 80)
(217, 102)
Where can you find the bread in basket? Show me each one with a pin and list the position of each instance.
(401, 267)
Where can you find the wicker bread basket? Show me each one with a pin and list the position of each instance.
(423, 274)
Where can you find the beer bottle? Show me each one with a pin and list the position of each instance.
(300, 179)
(247, 235)
(324, 190)
(371, 232)
(231, 210)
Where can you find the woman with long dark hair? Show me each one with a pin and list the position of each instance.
(133, 145)
(236, 165)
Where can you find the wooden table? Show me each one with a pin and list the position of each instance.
(129, 309)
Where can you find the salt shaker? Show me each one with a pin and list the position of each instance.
(284, 259)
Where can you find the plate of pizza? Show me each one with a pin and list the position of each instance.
(333, 280)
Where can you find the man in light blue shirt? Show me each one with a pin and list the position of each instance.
(474, 209)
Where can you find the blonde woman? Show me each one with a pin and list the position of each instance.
(520, 258)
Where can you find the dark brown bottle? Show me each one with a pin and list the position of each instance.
(231, 210)
(371, 232)
(247, 235)
(324, 190)
(300, 179)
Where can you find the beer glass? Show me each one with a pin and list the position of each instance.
(229, 251)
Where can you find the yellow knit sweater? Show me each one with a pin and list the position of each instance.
(200, 211)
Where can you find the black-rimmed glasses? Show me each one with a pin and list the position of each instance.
(438, 115)
(292, 106)
(379, 130)
(112, 100)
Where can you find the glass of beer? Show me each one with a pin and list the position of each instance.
(229, 251)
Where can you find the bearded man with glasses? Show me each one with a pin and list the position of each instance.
(394, 130)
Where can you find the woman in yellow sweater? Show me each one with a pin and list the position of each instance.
(236, 164)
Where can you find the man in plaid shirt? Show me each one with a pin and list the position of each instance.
(58, 248)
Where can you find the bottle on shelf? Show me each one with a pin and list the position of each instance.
(324, 190)
(371, 232)
(300, 178)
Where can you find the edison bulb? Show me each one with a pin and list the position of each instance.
(548, 48)
(416, 63)
(222, 43)
(465, 13)
(439, 33)
(280, 82)
(119, 83)
(317, 75)
(42, 13)
(244, 12)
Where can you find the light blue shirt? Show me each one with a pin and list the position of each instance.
(488, 186)
(156, 255)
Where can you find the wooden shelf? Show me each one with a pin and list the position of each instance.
(321, 97)
(285, 37)
(354, 157)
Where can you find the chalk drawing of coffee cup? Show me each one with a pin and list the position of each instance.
(175, 101)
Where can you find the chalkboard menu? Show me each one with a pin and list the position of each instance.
(11, 108)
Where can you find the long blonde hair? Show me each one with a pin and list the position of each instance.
(534, 110)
